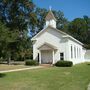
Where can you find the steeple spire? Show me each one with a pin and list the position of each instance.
(50, 15)
(50, 18)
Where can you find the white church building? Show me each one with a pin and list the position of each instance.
(51, 45)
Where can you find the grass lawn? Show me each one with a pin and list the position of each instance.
(53, 78)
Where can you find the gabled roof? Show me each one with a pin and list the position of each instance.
(45, 29)
(50, 16)
(65, 35)
(72, 38)
(47, 46)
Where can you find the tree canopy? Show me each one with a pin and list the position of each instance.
(15, 16)
(80, 29)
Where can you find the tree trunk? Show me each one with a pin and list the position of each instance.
(9, 59)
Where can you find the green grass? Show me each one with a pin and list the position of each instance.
(53, 78)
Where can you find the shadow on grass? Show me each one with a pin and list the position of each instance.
(88, 64)
(2, 75)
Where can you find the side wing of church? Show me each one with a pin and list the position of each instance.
(51, 45)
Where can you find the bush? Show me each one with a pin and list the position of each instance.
(31, 62)
(64, 64)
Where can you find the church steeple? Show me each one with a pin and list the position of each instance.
(50, 19)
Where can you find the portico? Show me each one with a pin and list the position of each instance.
(46, 54)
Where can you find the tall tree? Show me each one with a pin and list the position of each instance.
(41, 14)
(6, 37)
(62, 22)
(78, 28)
(17, 15)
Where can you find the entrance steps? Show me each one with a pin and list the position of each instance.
(46, 65)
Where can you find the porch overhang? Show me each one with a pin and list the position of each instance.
(47, 46)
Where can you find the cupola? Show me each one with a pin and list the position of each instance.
(50, 19)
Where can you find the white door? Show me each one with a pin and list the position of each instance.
(46, 57)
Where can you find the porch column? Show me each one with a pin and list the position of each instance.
(53, 57)
(40, 57)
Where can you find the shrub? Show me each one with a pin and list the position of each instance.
(64, 64)
(31, 62)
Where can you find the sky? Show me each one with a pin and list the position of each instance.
(71, 8)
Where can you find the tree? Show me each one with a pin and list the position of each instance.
(62, 22)
(87, 20)
(6, 37)
(41, 14)
(78, 28)
(17, 15)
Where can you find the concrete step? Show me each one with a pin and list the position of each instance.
(46, 65)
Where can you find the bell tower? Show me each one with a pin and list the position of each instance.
(50, 19)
